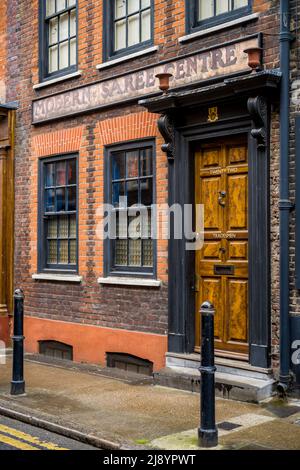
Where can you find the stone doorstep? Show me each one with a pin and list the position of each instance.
(225, 365)
(228, 386)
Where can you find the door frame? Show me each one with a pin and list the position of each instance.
(182, 262)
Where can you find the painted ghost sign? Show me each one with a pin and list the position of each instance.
(219, 61)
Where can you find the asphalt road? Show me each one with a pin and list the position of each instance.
(15, 435)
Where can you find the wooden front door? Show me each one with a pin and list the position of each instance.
(222, 264)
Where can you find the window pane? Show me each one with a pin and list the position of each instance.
(133, 6)
(118, 166)
(61, 173)
(146, 224)
(146, 162)
(53, 59)
(146, 26)
(120, 35)
(134, 226)
(63, 55)
(50, 200)
(53, 31)
(72, 226)
(118, 191)
(64, 26)
(240, 3)
(145, 3)
(72, 199)
(132, 192)
(135, 252)
(72, 171)
(133, 30)
(63, 252)
(132, 164)
(120, 8)
(121, 252)
(52, 252)
(146, 192)
(60, 200)
(73, 254)
(70, 3)
(206, 9)
(50, 7)
(60, 5)
(52, 227)
(73, 23)
(121, 227)
(147, 253)
(73, 51)
(63, 226)
(50, 174)
(222, 6)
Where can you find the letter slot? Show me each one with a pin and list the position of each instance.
(222, 270)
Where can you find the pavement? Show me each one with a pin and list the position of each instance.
(107, 411)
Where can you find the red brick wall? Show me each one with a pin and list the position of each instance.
(126, 308)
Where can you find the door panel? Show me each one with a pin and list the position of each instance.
(211, 250)
(211, 287)
(237, 295)
(237, 186)
(222, 186)
(238, 250)
(212, 216)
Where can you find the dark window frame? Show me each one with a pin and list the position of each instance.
(109, 52)
(43, 266)
(44, 74)
(193, 25)
(109, 267)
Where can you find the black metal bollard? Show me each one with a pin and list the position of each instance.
(18, 383)
(207, 433)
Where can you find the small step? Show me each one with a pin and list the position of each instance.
(233, 387)
(230, 366)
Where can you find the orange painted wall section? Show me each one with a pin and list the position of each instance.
(91, 343)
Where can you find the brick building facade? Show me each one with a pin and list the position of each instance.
(89, 298)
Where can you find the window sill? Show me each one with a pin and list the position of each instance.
(219, 27)
(124, 58)
(53, 81)
(129, 281)
(57, 277)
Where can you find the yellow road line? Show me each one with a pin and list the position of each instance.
(14, 443)
(29, 438)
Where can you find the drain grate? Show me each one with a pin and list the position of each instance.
(227, 426)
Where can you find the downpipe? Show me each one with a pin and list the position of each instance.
(285, 205)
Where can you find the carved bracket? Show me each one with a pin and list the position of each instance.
(166, 128)
(258, 109)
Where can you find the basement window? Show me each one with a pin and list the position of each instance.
(129, 363)
(56, 350)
